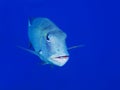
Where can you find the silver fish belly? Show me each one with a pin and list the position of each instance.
(48, 41)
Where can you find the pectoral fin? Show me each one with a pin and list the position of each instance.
(31, 51)
(75, 47)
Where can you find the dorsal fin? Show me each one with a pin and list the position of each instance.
(30, 20)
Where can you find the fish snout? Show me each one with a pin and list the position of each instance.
(59, 60)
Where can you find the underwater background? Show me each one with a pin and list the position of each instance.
(93, 23)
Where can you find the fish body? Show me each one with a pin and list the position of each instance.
(48, 41)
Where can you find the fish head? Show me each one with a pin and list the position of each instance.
(54, 49)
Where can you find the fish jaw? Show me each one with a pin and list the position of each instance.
(59, 60)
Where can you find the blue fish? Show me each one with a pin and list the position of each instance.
(48, 42)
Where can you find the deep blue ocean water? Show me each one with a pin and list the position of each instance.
(93, 23)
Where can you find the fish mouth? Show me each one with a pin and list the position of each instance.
(59, 60)
(61, 57)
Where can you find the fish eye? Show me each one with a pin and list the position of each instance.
(48, 37)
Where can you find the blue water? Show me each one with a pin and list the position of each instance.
(95, 66)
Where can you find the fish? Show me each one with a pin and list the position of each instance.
(48, 42)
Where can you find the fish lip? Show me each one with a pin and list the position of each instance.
(60, 57)
(59, 60)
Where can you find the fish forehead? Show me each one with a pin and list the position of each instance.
(42, 21)
(44, 24)
(58, 34)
